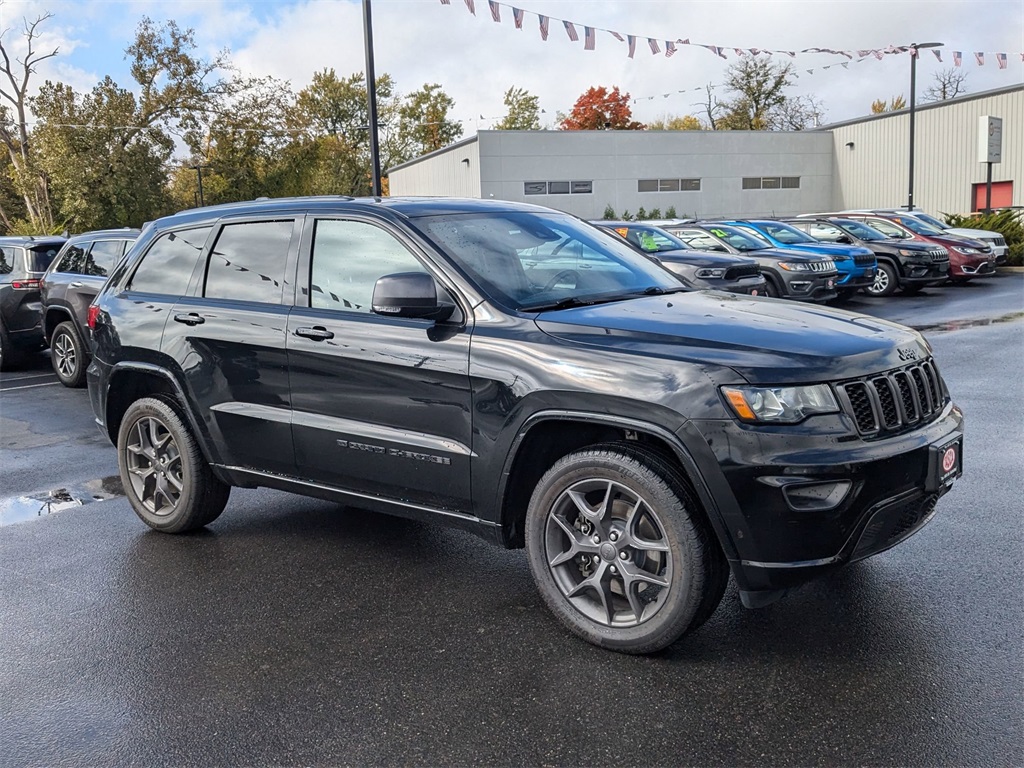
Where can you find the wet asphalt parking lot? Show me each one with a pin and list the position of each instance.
(296, 632)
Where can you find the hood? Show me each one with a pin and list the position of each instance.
(977, 234)
(787, 254)
(963, 242)
(702, 258)
(836, 250)
(764, 340)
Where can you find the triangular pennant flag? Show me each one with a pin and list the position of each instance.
(472, 6)
(495, 10)
(570, 30)
(544, 21)
(938, 53)
(617, 36)
(844, 64)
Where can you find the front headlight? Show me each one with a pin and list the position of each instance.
(710, 273)
(780, 405)
(795, 266)
(908, 252)
(966, 251)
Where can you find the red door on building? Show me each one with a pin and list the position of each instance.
(1002, 195)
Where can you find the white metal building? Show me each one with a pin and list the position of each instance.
(856, 164)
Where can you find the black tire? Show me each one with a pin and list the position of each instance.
(68, 355)
(886, 281)
(165, 477)
(9, 358)
(771, 288)
(655, 521)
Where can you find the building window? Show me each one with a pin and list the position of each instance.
(668, 185)
(771, 182)
(558, 187)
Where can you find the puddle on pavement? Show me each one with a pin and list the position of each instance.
(18, 509)
(956, 325)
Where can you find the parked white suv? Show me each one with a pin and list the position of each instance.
(996, 240)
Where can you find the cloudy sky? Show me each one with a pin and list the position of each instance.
(476, 59)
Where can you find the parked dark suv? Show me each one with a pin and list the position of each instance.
(22, 262)
(514, 371)
(68, 288)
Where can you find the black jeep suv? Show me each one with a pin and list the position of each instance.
(22, 263)
(514, 371)
(68, 288)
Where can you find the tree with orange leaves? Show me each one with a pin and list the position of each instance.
(600, 109)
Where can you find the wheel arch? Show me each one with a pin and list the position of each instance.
(547, 436)
(132, 381)
(54, 316)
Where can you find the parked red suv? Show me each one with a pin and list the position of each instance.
(968, 258)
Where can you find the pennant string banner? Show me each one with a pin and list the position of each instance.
(671, 46)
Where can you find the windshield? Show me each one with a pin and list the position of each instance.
(738, 239)
(928, 219)
(786, 234)
(527, 260)
(918, 226)
(652, 239)
(859, 230)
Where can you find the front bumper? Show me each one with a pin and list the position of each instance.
(862, 277)
(807, 286)
(985, 268)
(806, 499)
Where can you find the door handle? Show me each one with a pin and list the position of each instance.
(189, 319)
(316, 333)
(76, 284)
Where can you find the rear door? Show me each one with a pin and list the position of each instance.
(381, 405)
(83, 287)
(228, 338)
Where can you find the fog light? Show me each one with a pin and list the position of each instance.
(816, 497)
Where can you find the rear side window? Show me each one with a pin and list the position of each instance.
(6, 261)
(168, 264)
(73, 260)
(103, 255)
(247, 262)
(40, 258)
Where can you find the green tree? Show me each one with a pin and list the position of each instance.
(757, 85)
(425, 121)
(523, 111)
(598, 109)
(676, 123)
(28, 179)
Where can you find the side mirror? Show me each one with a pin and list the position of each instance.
(409, 294)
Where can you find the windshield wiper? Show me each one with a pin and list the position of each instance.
(575, 301)
(566, 303)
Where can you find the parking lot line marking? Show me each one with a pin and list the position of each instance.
(29, 386)
(26, 377)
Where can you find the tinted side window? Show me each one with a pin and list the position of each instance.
(73, 260)
(103, 256)
(169, 262)
(6, 261)
(348, 258)
(38, 259)
(247, 262)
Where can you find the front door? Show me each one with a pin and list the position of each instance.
(380, 405)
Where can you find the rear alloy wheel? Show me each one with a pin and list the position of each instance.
(886, 281)
(67, 352)
(165, 477)
(619, 550)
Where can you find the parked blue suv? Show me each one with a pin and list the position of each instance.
(856, 265)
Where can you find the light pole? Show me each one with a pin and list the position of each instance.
(914, 48)
(371, 97)
(199, 173)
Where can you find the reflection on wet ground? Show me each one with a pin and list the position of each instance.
(956, 325)
(18, 509)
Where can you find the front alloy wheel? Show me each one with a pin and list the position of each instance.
(620, 549)
(154, 466)
(608, 553)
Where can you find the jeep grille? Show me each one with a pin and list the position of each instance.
(895, 400)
